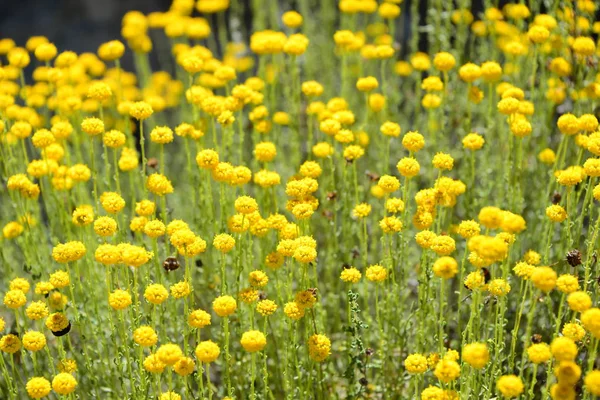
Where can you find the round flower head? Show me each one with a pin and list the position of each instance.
(258, 279)
(361, 210)
(245, 205)
(141, 110)
(37, 310)
(473, 141)
(224, 306)
(83, 215)
(64, 383)
(207, 351)
(253, 341)
(293, 310)
(416, 364)
(390, 129)
(563, 349)
(92, 126)
(57, 322)
(556, 213)
(67, 365)
(499, 287)
(292, 19)
(445, 267)
(376, 273)
(105, 226)
(443, 161)
(159, 184)
(539, 353)
(111, 50)
(319, 347)
(68, 252)
(413, 141)
(156, 293)
(112, 202)
(10, 343)
(408, 167)
(266, 307)
(169, 353)
(119, 299)
(161, 135)
(367, 84)
(469, 72)
(184, 366)
(510, 386)
(568, 124)
(389, 183)
(42, 138)
(224, 242)
(444, 61)
(567, 283)
(34, 341)
(590, 319)
(153, 364)
(145, 336)
(573, 331)
(350, 275)
(199, 319)
(592, 382)
(474, 280)
(14, 299)
(38, 387)
(579, 301)
(447, 370)
(544, 278)
(491, 71)
(180, 289)
(538, 34)
(583, 46)
(443, 245)
(155, 229)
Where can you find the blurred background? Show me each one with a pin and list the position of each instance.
(77, 25)
(82, 25)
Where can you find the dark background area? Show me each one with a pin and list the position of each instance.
(77, 25)
(82, 25)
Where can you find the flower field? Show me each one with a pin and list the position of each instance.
(351, 199)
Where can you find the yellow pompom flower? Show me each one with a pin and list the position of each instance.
(253, 341)
(376, 273)
(510, 386)
(159, 184)
(224, 306)
(119, 299)
(38, 387)
(145, 336)
(579, 301)
(14, 299)
(563, 349)
(64, 383)
(34, 341)
(544, 278)
(539, 353)
(443, 161)
(199, 319)
(416, 364)
(319, 347)
(207, 351)
(447, 370)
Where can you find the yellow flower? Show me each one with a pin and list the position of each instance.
(207, 351)
(253, 341)
(319, 347)
(510, 386)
